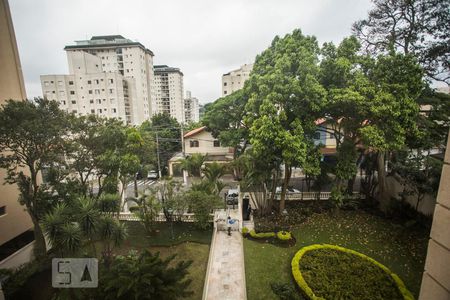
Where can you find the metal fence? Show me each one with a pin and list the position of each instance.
(186, 217)
(313, 196)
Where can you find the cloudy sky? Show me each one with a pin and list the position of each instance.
(204, 38)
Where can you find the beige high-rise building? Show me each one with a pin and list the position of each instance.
(234, 80)
(436, 278)
(15, 223)
(110, 76)
(169, 92)
(191, 108)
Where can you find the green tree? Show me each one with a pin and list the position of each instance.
(417, 27)
(169, 136)
(147, 209)
(285, 98)
(193, 164)
(31, 137)
(146, 276)
(202, 204)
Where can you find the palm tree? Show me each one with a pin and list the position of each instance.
(64, 235)
(88, 216)
(111, 233)
(214, 171)
(158, 279)
(193, 164)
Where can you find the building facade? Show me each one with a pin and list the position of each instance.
(191, 108)
(169, 92)
(15, 223)
(110, 76)
(234, 80)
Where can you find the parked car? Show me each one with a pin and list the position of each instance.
(232, 196)
(290, 190)
(152, 175)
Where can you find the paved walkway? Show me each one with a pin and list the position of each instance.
(226, 277)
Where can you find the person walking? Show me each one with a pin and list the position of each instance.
(229, 225)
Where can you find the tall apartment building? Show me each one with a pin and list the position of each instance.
(15, 223)
(234, 80)
(169, 92)
(110, 76)
(191, 108)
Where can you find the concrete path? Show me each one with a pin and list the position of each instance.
(226, 271)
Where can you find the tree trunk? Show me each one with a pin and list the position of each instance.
(382, 190)
(135, 187)
(350, 184)
(40, 248)
(287, 176)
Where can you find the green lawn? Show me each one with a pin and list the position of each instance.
(402, 250)
(189, 243)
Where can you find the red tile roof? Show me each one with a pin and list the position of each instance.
(194, 131)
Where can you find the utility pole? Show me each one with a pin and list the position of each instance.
(183, 153)
(157, 154)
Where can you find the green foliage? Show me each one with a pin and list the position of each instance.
(146, 276)
(245, 230)
(202, 205)
(261, 235)
(193, 164)
(284, 291)
(213, 172)
(32, 138)
(148, 209)
(354, 274)
(284, 235)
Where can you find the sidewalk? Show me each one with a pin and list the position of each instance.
(227, 273)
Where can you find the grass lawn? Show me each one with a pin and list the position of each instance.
(401, 250)
(189, 243)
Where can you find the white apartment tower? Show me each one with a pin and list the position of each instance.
(110, 76)
(169, 92)
(234, 80)
(191, 108)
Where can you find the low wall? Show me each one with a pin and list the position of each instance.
(18, 258)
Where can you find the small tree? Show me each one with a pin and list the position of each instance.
(193, 164)
(202, 204)
(146, 276)
(147, 210)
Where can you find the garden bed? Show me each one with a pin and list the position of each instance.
(332, 272)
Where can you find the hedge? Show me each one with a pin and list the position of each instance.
(295, 265)
(261, 235)
(284, 235)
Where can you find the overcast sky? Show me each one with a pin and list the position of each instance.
(204, 38)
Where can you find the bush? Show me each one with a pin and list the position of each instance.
(354, 274)
(261, 235)
(245, 230)
(284, 235)
(284, 291)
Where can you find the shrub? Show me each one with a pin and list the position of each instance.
(350, 263)
(245, 230)
(284, 291)
(261, 235)
(284, 235)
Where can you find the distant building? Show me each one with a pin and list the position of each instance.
(191, 108)
(169, 92)
(110, 76)
(201, 141)
(234, 80)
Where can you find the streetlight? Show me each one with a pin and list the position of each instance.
(170, 211)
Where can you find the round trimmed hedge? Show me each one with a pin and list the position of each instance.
(284, 235)
(333, 272)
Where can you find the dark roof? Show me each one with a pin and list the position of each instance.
(166, 69)
(107, 37)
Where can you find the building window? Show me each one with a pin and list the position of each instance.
(74, 111)
(99, 101)
(72, 92)
(216, 143)
(70, 82)
(89, 82)
(92, 111)
(317, 135)
(111, 91)
(74, 102)
(114, 110)
(224, 92)
(111, 81)
(2, 210)
(96, 81)
(331, 136)
(91, 101)
(224, 84)
(46, 83)
(63, 102)
(90, 91)
(99, 110)
(193, 143)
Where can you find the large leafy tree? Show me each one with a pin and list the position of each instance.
(417, 27)
(31, 138)
(285, 98)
